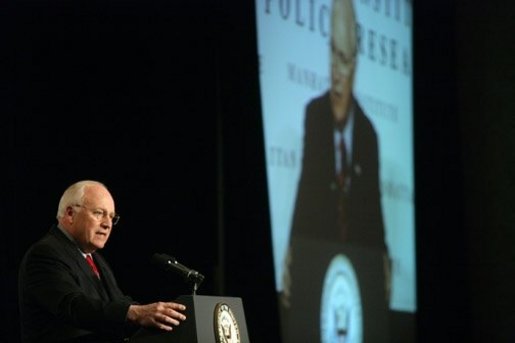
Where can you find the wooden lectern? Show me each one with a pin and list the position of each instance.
(209, 319)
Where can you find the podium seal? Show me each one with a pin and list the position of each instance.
(341, 313)
(226, 326)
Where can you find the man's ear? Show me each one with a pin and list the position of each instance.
(69, 212)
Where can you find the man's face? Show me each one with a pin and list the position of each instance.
(343, 57)
(91, 222)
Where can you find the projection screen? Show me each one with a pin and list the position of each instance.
(309, 51)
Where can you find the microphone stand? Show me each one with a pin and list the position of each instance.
(196, 279)
(170, 264)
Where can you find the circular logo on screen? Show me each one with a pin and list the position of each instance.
(340, 313)
(226, 326)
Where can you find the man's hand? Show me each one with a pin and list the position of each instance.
(161, 315)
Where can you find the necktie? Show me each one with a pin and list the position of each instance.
(91, 263)
(343, 163)
(342, 197)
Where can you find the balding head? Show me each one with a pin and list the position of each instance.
(343, 57)
(87, 213)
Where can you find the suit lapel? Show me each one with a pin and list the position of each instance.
(108, 280)
(74, 254)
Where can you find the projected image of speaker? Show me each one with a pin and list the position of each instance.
(337, 107)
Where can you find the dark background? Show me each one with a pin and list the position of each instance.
(160, 100)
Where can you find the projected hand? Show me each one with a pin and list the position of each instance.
(387, 264)
(286, 292)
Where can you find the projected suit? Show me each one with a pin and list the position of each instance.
(315, 213)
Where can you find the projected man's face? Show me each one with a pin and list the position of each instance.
(343, 57)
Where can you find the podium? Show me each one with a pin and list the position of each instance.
(337, 294)
(209, 319)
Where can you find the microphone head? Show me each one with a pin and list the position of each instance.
(169, 263)
(162, 259)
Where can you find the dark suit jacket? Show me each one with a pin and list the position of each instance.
(315, 212)
(62, 301)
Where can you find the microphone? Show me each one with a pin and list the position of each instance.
(169, 263)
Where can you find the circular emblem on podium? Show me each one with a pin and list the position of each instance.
(341, 313)
(226, 326)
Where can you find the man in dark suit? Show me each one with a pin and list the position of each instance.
(317, 213)
(338, 195)
(63, 297)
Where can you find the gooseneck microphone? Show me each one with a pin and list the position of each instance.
(169, 263)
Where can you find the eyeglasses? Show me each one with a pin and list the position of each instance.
(99, 214)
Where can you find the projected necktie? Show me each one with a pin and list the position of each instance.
(91, 263)
(342, 196)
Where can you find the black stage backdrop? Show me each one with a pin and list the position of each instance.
(124, 92)
(160, 100)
